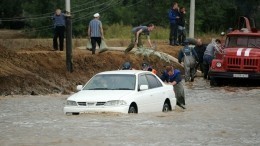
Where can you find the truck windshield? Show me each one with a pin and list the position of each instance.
(242, 41)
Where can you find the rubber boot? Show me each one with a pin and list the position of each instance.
(129, 48)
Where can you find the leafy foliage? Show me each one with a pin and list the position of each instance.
(210, 16)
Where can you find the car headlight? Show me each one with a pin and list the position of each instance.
(218, 64)
(71, 103)
(115, 103)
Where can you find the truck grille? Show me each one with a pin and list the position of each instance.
(242, 64)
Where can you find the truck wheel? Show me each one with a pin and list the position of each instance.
(213, 82)
(216, 81)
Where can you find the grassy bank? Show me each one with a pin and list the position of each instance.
(115, 35)
(119, 31)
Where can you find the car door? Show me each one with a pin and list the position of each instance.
(143, 99)
(147, 101)
(157, 91)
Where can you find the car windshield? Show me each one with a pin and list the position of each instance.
(111, 82)
(243, 41)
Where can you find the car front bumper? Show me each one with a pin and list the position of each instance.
(85, 109)
(239, 75)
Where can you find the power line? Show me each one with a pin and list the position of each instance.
(91, 7)
(24, 18)
(38, 30)
(109, 4)
(80, 5)
(51, 26)
(101, 10)
(42, 27)
(42, 16)
(140, 1)
(33, 17)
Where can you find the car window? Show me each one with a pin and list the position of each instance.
(111, 82)
(251, 42)
(123, 82)
(231, 42)
(153, 81)
(254, 42)
(242, 41)
(97, 82)
(142, 81)
(258, 42)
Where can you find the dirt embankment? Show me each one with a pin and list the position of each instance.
(38, 70)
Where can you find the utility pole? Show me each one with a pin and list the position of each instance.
(192, 18)
(68, 38)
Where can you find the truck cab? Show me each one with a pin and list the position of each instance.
(239, 57)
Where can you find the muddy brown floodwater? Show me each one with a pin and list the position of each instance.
(214, 116)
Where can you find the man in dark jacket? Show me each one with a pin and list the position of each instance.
(173, 77)
(181, 26)
(200, 49)
(173, 17)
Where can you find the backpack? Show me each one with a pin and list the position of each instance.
(187, 51)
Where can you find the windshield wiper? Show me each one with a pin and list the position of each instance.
(254, 45)
(122, 89)
(98, 89)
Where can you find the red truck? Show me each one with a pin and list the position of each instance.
(240, 56)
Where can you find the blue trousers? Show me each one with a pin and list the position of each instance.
(207, 60)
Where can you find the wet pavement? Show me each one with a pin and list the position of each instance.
(214, 116)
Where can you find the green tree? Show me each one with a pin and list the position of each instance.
(7, 8)
(210, 16)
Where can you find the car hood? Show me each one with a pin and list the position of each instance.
(100, 95)
(242, 52)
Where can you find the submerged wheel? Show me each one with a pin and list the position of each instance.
(166, 107)
(132, 110)
(69, 114)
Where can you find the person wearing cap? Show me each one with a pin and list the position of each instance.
(95, 32)
(59, 29)
(147, 67)
(192, 41)
(136, 36)
(127, 66)
(188, 56)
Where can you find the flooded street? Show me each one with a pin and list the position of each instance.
(214, 116)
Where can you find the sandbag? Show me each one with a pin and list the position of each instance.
(103, 46)
(89, 46)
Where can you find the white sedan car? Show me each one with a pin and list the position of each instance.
(122, 91)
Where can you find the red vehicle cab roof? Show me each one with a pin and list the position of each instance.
(244, 32)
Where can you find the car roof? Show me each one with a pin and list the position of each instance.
(133, 72)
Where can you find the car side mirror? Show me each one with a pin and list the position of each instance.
(79, 87)
(143, 87)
